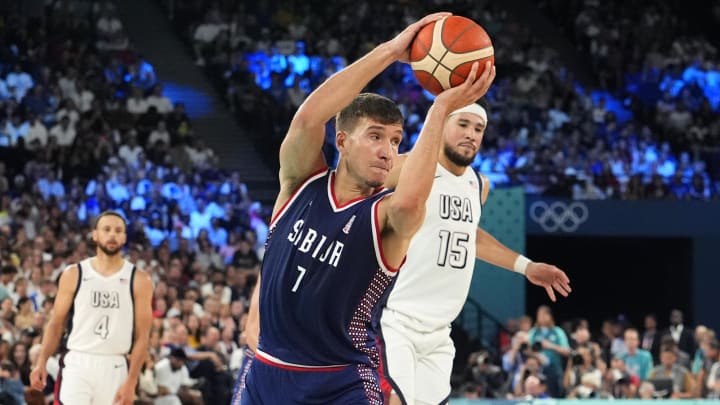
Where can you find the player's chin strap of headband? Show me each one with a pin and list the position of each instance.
(472, 109)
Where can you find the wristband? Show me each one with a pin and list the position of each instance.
(521, 264)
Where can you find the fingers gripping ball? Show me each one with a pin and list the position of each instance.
(443, 52)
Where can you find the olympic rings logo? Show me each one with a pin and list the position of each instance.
(559, 215)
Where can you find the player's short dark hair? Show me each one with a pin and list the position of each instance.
(108, 214)
(368, 105)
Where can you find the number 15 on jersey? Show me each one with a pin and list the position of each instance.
(453, 249)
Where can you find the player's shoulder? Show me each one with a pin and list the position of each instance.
(142, 277)
(70, 271)
(484, 186)
(69, 277)
(483, 178)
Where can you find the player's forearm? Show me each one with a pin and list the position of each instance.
(341, 88)
(137, 358)
(50, 341)
(491, 250)
(418, 171)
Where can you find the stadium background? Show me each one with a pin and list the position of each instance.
(623, 94)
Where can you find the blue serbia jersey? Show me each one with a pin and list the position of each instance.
(323, 276)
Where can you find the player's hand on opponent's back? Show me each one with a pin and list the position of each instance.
(400, 45)
(549, 277)
(38, 377)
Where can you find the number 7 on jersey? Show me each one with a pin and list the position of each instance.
(302, 271)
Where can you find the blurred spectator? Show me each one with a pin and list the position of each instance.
(532, 367)
(581, 364)
(683, 382)
(535, 388)
(12, 391)
(487, 377)
(590, 386)
(158, 100)
(171, 378)
(554, 345)
(709, 373)
(204, 36)
(651, 337)
(681, 335)
(646, 391)
(638, 362)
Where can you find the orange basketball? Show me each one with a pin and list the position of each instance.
(443, 52)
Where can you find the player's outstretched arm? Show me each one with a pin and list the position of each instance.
(142, 293)
(56, 325)
(404, 211)
(544, 275)
(492, 251)
(300, 152)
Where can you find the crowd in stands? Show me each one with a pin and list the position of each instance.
(540, 359)
(668, 70)
(85, 127)
(651, 130)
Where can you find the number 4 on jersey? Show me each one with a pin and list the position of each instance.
(101, 328)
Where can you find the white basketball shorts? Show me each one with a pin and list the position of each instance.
(419, 364)
(89, 379)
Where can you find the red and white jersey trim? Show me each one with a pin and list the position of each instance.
(274, 361)
(333, 201)
(377, 241)
(314, 176)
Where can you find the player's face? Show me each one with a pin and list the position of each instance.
(369, 150)
(463, 134)
(110, 235)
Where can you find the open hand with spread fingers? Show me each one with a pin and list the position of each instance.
(549, 277)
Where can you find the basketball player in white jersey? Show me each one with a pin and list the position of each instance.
(108, 303)
(430, 291)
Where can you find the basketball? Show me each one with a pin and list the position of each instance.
(442, 53)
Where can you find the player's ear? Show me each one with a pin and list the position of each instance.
(341, 138)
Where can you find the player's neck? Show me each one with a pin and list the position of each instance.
(450, 166)
(346, 188)
(107, 265)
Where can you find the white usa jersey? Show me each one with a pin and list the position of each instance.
(433, 284)
(102, 316)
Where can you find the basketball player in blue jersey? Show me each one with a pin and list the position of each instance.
(108, 303)
(338, 237)
(430, 291)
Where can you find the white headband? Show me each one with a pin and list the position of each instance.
(472, 109)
